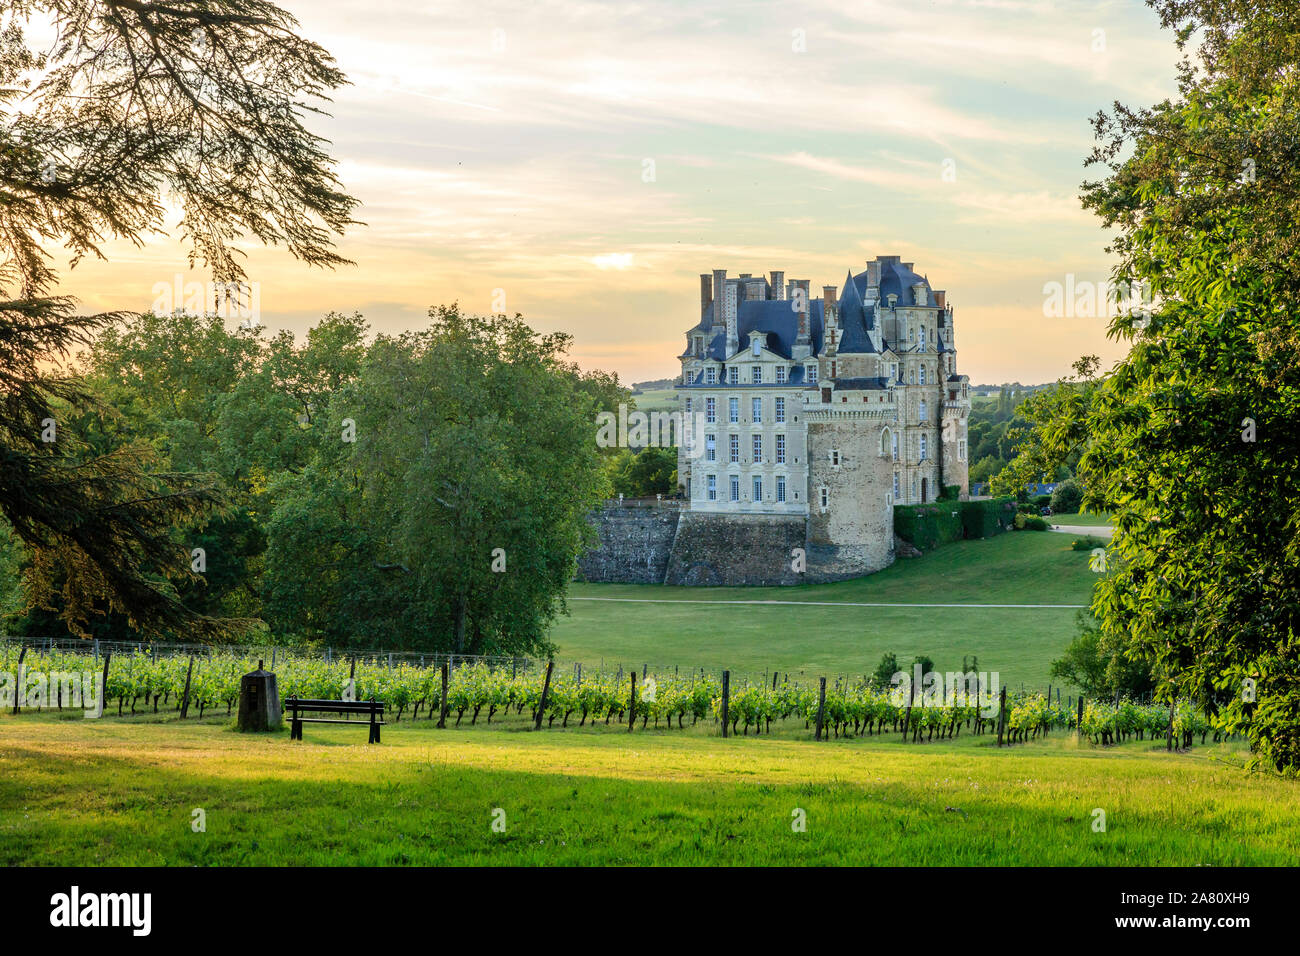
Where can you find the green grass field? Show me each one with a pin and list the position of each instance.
(1086, 520)
(79, 792)
(820, 639)
(657, 400)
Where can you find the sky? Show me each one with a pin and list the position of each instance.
(582, 163)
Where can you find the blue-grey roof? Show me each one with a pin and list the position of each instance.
(772, 316)
(856, 319)
(895, 279)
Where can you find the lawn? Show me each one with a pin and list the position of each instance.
(824, 639)
(657, 400)
(124, 792)
(1085, 520)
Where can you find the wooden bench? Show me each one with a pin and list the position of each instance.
(297, 706)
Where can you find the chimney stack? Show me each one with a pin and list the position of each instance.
(719, 297)
(778, 285)
(706, 291)
(829, 305)
(941, 300)
(873, 273)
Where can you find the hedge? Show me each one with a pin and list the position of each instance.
(983, 519)
(930, 525)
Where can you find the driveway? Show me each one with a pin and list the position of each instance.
(1081, 530)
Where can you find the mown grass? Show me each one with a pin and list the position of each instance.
(123, 792)
(1020, 643)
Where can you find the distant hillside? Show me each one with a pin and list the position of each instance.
(639, 387)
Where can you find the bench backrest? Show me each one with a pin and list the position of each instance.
(314, 705)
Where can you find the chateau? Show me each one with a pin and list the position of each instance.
(806, 421)
(832, 408)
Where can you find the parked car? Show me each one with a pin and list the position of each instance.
(1045, 511)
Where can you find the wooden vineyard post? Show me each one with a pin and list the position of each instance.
(546, 690)
(185, 698)
(1078, 721)
(726, 695)
(907, 717)
(103, 682)
(773, 680)
(1002, 715)
(821, 708)
(1169, 731)
(631, 704)
(442, 704)
(18, 690)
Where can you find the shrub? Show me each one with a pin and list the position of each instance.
(1031, 523)
(1067, 497)
(930, 525)
(1090, 543)
(983, 519)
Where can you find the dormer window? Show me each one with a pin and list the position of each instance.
(756, 345)
(711, 375)
(733, 375)
(756, 374)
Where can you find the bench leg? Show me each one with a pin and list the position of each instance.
(295, 730)
(374, 733)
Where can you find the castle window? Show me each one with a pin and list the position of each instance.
(713, 487)
(688, 404)
(735, 487)
(893, 372)
(835, 457)
(780, 409)
(710, 447)
(756, 374)
(922, 374)
(699, 345)
(758, 448)
(833, 364)
(825, 497)
(780, 488)
(895, 447)
(733, 375)
(924, 447)
(711, 375)
(756, 409)
(733, 410)
(780, 375)
(812, 374)
(961, 450)
(912, 376)
(921, 332)
(897, 486)
(921, 413)
(780, 449)
(710, 410)
(734, 448)
(758, 488)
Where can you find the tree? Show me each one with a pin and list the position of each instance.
(1067, 497)
(135, 102)
(1191, 440)
(455, 518)
(1096, 663)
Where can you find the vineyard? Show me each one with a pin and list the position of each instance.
(147, 682)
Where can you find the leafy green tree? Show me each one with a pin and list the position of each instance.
(1067, 497)
(885, 670)
(1191, 440)
(454, 520)
(202, 103)
(650, 471)
(1097, 664)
